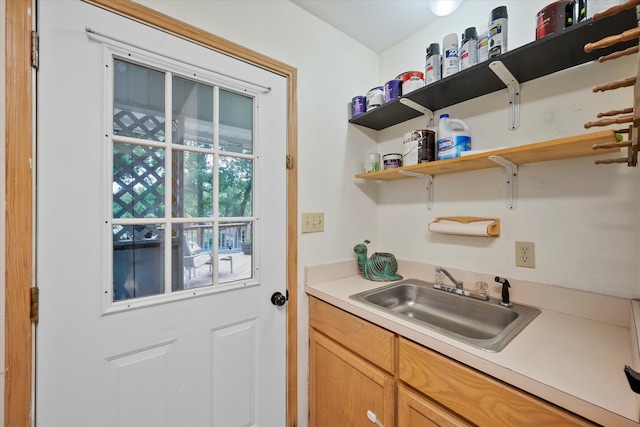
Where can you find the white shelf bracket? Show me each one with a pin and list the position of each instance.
(511, 171)
(429, 179)
(513, 89)
(424, 110)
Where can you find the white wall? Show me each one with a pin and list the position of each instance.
(581, 217)
(332, 68)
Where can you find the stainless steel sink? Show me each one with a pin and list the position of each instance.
(483, 324)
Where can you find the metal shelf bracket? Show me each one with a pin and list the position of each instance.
(420, 108)
(429, 179)
(513, 89)
(511, 171)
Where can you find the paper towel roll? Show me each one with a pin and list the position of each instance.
(484, 227)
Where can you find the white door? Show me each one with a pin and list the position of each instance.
(157, 160)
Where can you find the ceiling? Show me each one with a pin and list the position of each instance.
(377, 24)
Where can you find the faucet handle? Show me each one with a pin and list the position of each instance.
(481, 287)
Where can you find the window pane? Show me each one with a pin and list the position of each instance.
(235, 251)
(236, 123)
(138, 181)
(138, 261)
(192, 184)
(138, 101)
(192, 113)
(236, 180)
(193, 254)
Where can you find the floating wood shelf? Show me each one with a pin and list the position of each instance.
(556, 149)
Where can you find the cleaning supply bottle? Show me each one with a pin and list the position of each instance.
(454, 137)
(450, 62)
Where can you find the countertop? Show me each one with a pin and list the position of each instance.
(572, 354)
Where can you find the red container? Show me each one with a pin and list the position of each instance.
(411, 80)
(553, 18)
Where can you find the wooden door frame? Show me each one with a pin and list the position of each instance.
(19, 213)
(19, 257)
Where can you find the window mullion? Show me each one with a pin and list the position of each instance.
(216, 148)
(168, 183)
(215, 190)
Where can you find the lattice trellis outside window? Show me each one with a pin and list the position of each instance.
(141, 126)
(138, 176)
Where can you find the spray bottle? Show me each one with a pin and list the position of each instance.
(483, 44)
(469, 48)
(433, 65)
(450, 62)
(498, 31)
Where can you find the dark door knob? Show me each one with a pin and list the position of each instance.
(278, 299)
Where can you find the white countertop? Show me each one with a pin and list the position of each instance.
(572, 354)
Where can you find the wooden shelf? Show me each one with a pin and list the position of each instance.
(553, 53)
(556, 149)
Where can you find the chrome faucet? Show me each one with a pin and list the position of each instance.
(455, 282)
(459, 289)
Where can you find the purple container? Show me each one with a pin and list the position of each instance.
(358, 105)
(392, 90)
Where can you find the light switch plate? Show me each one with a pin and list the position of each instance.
(312, 222)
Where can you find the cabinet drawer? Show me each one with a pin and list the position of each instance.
(367, 340)
(473, 395)
(418, 411)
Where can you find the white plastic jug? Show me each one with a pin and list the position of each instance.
(454, 137)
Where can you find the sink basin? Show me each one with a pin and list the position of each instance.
(483, 324)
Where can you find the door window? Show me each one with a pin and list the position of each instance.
(182, 205)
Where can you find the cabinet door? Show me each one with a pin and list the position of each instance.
(343, 387)
(417, 411)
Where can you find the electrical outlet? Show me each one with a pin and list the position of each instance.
(525, 254)
(312, 222)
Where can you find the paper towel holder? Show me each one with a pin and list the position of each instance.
(492, 227)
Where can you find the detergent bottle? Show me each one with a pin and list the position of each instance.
(454, 137)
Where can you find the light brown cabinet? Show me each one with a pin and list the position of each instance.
(414, 410)
(356, 366)
(476, 397)
(344, 386)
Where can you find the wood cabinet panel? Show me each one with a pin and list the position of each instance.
(343, 387)
(369, 341)
(415, 410)
(473, 395)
